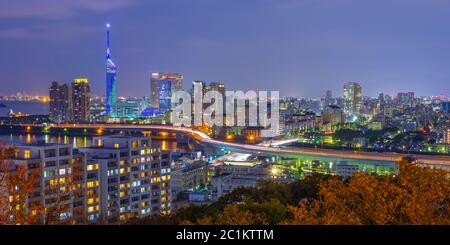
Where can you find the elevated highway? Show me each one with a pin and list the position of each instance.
(265, 149)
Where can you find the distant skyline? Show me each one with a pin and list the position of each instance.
(300, 47)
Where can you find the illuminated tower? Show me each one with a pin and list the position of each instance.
(110, 77)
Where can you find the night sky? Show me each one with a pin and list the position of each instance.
(300, 47)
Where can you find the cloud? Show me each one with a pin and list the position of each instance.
(53, 32)
(58, 8)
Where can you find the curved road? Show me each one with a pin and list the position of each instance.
(269, 150)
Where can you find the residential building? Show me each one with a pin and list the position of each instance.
(134, 177)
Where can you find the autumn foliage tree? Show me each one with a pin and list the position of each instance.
(417, 195)
(16, 185)
(414, 195)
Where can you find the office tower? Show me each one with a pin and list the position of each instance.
(80, 100)
(165, 95)
(134, 178)
(60, 103)
(162, 86)
(352, 99)
(56, 196)
(111, 73)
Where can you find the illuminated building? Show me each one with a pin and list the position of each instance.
(216, 86)
(70, 103)
(80, 100)
(162, 86)
(446, 135)
(129, 108)
(189, 176)
(300, 121)
(352, 99)
(134, 177)
(60, 105)
(59, 178)
(110, 77)
(345, 170)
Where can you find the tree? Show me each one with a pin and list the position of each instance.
(417, 195)
(234, 215)
(16, 186)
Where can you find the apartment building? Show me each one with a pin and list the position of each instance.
(131, 177)
(56, 187)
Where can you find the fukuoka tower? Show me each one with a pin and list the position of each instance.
(110, 77)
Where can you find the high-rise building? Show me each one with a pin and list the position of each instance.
(216, 86)
(60, 103)
(134, 178)
(352, 99)
(111, 71)
(56, 196)
(162, 86)
(118, 178)
(70, 103)
(80, 100)
(381, 104)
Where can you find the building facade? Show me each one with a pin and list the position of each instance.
(134, 178)
(352, 99)
(57, 191)
(81, 100)
(162, 86)
(70, 103)
(60, 104)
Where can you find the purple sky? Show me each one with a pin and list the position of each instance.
(300, 47)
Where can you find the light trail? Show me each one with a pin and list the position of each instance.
(268, 150)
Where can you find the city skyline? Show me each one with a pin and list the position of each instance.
(390, 55)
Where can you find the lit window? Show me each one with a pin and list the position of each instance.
(26, 154)
(92, 167)
(92, 184)
(116, 146)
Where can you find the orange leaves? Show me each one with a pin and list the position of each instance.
(416, 196)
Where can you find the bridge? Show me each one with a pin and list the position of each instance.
(264, 149)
